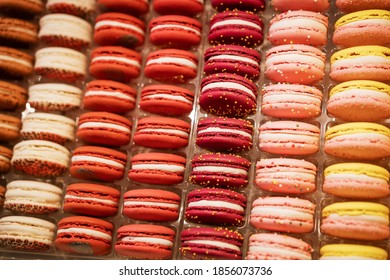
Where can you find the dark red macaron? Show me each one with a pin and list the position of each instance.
(233, 59)
(151, 205)
(224, 134)
(215, 206)
(157, 168)
(91, 199)
(133, 7)
(162, 133)
(236, 27)
(220, 170)
(98, 163)
(118, 29)
(84, 235)
(205, 243)
(228, 95)
(247, 5)
(171, 65)
(115, 63)
(145, 241)
(109, 96)
(182, 7)
(175, 31)
(104, 128)
(166, 100)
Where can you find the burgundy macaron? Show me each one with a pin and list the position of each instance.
(91, 199)
(104, 128)
(157, 168)
(206, 243)
(220, 170)
(242, 28)
(247, 5)
(162, 133)
(228, 95)
(215, 206)
(151, 205)
(166, 100)
(98, 163)
(171, 66)
(109, 96)
(232, 59)
(118, 29)
(224, 134)
(115, 63)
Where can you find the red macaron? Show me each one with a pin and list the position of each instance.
(151, 205)
(133, 7)
(104, 128)
(91, 199)
(182, 7)
(98, 163)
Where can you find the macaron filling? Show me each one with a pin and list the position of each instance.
(214, 243)
(217, 204)
(86, 231)
(220, 169)
(104, 125)
(224, 130)
(172, 60)
(116, 94)
(116, 58)
(162, 167)
(150, 240)
(235, 22)
(152, 204)
(116, 164)
(90, 199)
(175, 26)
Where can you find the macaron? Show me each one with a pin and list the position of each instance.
(157, 168)
(118, 29)
(361, 63)
(249, 5)
(62, 64)
(15, 63)
(216, 207)
(162, 133)
(356, 180)
(26, 233)
(358, 5)
(12, 96)
(80, 8)
(109, 96)
(97, 163)
(175, 31)
(272, 246)
(9, 128)
(18, 32)
(306, 5)
(369, 27)
(242, 28)
(298, 27)
(356, 220)
(232, 59)
(291, 101)
(352, 252)
(133, 7)
(166, 100)
(91, 200)
(283, 214)
(224, 134)
(206, 243)
(183, 7)
(84, 235)
(295, 63)
(286, 175)
(152, 205)
(171, 66)
(32, 197)
(25, 8)
(289, 138)
(360, 100)
(358, 141)
(40, 158)
(63, 30)
(5, 159)
(115, 63)
(47, 126)
(54, 97)
(228, 95)
(145, 241)
(219, 170)
(103, 128)
(2, 196)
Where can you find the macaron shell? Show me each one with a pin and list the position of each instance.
(307, 5)
(132, 7)
(358, 5)
(12, 96)
(184, 7)
(352, 252)
(77, 8)
(249, 5)
(16, 32)
(5, 159)
(15, 63)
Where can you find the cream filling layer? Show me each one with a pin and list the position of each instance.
(62, 61)
(31, 125)
(150, 240)
(91, 232)
(281, 213)
(362, 218)
(305, 23)
(362, 93)
(368, 22)
(115, 58)
(168, 96)
(224, 57)
(156, 166)
(228, 86)
(116, 94)
(219, 204)
(289, 253)
(149, 203)
(24, 151)
(165, 131)
(94, 199)
(112, 23)
(365, 61)
(20, 29)
(97, 159)
(64, 27)
(26, 231)
(220, 169)
(294, 58)
(214, 243)
(236, 22)
(35, 195)
(103, 125)
(353, 176)
(291, 99)
(15, 60)
(10, 127)
(176, 26)
(3, 158)
(172, 60)
(224, 130)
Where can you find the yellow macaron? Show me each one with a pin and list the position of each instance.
(367, 169)
(357, 208)
(352, 251)
(360, 84)
(356, 127)
(362, 15)
(355, 52)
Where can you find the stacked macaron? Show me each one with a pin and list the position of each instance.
(359, 138)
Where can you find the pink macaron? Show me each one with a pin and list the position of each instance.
(306, 5)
